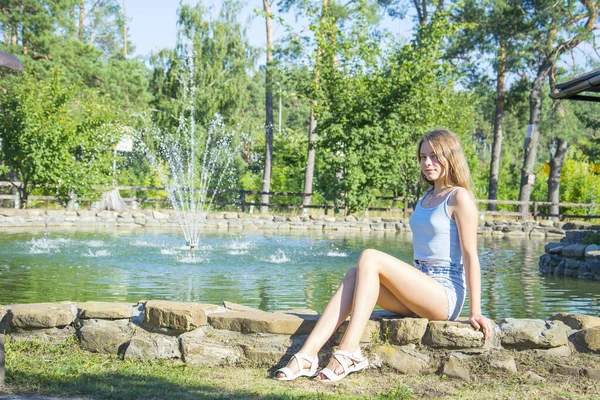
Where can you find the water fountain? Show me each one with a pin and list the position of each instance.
(193, 163)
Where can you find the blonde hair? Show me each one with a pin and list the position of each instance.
(450, 154)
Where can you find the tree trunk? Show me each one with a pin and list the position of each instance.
(72, 27)
(312, 127)
(14, 37)
(266, 184)
(421, 8)
(23, 196)
(81, 19)
(124, 31)
(23, 41)
(310, 158)
(532, 136)
(556, 164)
(497, 145)
(552, 54)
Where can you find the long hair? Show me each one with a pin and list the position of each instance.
(450, 154)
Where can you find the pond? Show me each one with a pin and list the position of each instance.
(266, 270)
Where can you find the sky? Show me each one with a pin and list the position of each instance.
(152, 23)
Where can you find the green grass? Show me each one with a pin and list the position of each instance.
(64, 370)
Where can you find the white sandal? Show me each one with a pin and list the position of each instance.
(300, 357)
(358, 362)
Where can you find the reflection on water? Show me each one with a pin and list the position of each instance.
(267, 270)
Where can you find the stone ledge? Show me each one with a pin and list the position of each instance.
(178, 316)
(14, 218)
(40, 315)
(205, 334)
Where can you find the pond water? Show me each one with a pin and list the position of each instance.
(267, 270)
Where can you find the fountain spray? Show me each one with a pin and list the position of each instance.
(193, 163)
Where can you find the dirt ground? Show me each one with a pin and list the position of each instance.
(485, 383)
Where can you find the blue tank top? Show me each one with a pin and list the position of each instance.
(435, 235)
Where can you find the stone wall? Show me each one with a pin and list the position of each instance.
(232, 334)
(571, 256)
(15, 218)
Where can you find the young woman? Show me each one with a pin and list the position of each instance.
(444, 227)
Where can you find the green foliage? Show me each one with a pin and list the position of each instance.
(579, 182)
(592, 237)
(221, 57)
(67, 371)
(400, 392)
(372, 118)
(56, 138)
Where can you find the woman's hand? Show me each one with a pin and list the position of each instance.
(478, 321)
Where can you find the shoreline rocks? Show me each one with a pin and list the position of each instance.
(573, 256)
(235, 221)
(230, 334)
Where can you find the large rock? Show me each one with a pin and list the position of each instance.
(533, 333)
(593, 250)
(399, 360)
(198, 349)
(574, 250)
(505, 365)
(103, 336)
(104, 310)
(553, 247)
(258, 348)
(589, 339)
(1, 359)
(561, 351)
(370, 333)
(179, 316)
(453, 335)
(264, 322)
(3, 320)
(454, 368)
(152, 346)
(401, 331)
(577, 321)
(47, 335)
(41, 315)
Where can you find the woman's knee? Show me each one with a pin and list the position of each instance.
(368, 259)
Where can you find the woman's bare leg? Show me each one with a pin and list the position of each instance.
(336, 312)
(395, 286)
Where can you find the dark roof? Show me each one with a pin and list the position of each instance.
(585, 83)
(10, 61)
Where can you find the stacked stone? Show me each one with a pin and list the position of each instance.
(570, 257)
(209, 335)
(2, 358)
(542, 229)
(82, 219)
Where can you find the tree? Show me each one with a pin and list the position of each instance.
(372, 116)
(325, 17)
(55, 138)
(560, 27)
(222, 58)
(321, 11)
(496, 29)
(424, 8)
(266, 184)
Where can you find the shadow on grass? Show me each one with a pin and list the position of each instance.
(123, 385)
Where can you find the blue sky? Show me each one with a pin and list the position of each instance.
(152, 23)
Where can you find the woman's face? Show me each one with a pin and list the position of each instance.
(430, 166)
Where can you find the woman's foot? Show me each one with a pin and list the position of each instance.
(341, 364)
(299, 365)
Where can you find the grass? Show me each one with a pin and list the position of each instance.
(65, 371)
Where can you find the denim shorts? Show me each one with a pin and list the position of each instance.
(452, 278)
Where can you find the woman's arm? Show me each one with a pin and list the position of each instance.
(465, 213)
